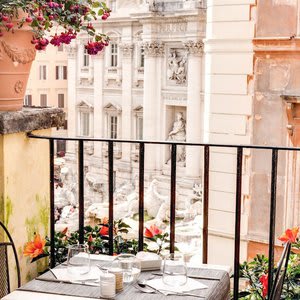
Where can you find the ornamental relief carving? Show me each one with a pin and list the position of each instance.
(127, 50)
(194, 48)
(71, 50)
(19, 86)
(177, 66)
(19, 55)
(173, 26)
(154, 48)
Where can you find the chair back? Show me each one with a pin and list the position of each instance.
(280, 273)
(4, 264)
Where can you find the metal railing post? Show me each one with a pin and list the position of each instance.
(52, 205)
(111, 196)
(205, 205)
(272, 219)
(81, 190)
(173, 197)
(237, 239)
(141, 195)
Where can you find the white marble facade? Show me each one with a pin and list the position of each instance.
(150, 73)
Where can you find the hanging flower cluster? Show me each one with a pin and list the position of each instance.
(65, 17)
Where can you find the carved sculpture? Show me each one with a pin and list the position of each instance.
(176, 68)
(178, 133)
(153, 48)
(155, 203)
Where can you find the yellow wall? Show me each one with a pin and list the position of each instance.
(24, 187)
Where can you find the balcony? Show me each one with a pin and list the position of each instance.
(45, 158)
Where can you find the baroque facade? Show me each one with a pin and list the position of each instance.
(175, 70)
(150, 73)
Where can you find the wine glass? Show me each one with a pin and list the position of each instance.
(174, 270)
(78, 262)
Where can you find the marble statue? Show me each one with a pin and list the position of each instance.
(125, 204)
(176, 68)
(178, 134)
(154, 200)
(180, 73)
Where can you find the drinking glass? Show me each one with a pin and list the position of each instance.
(174, 270)
(130, 266)
(78, 262)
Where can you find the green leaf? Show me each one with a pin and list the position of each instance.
(96, 4)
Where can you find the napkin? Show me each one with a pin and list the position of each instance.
(190, 285)
(149, 261)
(65, 275)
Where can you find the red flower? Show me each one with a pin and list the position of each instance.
(35, 247)
(152, 231)
(103, 230)
(290, 235)
(90, 239)
(264, 281)
(64, 231)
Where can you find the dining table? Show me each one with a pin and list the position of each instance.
(47, 286)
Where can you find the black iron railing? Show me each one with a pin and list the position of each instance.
(173, 145)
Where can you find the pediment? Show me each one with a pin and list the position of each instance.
(112, 107)
(84, 104)
(139, 108)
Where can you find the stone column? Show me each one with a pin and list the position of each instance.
(152, 100)
(194, 107)
(98, 101)
(126, 130)
(72, 80)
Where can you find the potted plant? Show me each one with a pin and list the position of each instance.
(28, 25)
(256, 272)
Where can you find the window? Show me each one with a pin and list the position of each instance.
(61, 100)
(43, 99)
(28, 100)
(86, 58)
(84, 124)
(139, 128)
(43, 72)
(113, 127)
(61, 72)
(114, 55)
(142, 58)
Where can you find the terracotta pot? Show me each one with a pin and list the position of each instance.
(16, 56)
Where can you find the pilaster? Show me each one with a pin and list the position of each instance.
(194, 107)
(98, 61)
(228, 80)
(72, 80)
(154, 51)
(127, 51)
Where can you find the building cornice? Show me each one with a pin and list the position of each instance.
(276, 44)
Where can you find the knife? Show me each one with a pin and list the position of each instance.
(84, 282)
(190, 276)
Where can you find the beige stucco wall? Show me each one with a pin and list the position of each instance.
(276, 65)
(24, 188)
(52, 87)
